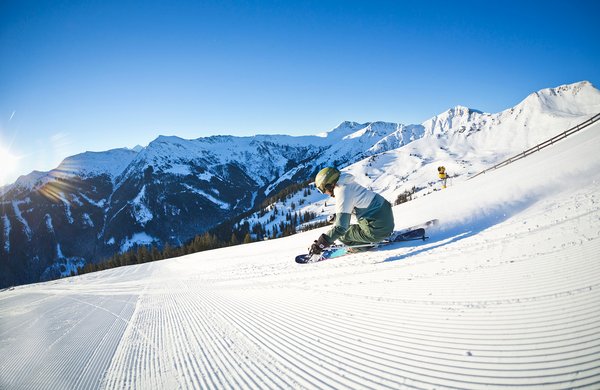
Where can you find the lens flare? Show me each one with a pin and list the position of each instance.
(9, 164)
(54, 190)
(61, 180)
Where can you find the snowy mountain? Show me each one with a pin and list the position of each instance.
(96, 204)
(505, 293)
(463, 140)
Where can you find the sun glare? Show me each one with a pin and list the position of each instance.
(8, 165)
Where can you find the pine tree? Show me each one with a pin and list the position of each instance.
(143, 254)
(155, 255)
(167, 252)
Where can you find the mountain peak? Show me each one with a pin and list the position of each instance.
(111, 162)
(463, 110)
(168, 139)
(374, 129)
(453, 119)
(574, 89)
(580, 98)
(343, 129)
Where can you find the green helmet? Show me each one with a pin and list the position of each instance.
(326, 179)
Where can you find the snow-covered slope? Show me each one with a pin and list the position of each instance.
(506, 292)
(463, 140)
(84, 165)
(111, 162)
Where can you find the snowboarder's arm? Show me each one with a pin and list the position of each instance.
(342, 223)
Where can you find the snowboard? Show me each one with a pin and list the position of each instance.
(412, 233)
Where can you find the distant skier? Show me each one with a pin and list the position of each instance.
(443, 175)
(374, 212)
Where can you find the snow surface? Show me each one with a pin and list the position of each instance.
(111, 162)
(6, 233)
(506, 292)
(208, 196)
(141, 212)
(20, 218)
(138, 239)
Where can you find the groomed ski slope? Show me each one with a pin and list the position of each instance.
(506, 292)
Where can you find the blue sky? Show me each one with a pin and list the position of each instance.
(96, 75)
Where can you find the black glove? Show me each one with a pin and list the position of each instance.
(319, 244)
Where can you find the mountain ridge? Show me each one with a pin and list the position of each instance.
(174, 189)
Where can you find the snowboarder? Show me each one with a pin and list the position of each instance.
(373, 211)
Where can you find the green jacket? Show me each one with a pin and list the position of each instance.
(374, 214)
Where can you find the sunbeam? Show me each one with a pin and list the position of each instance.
(9, 163)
